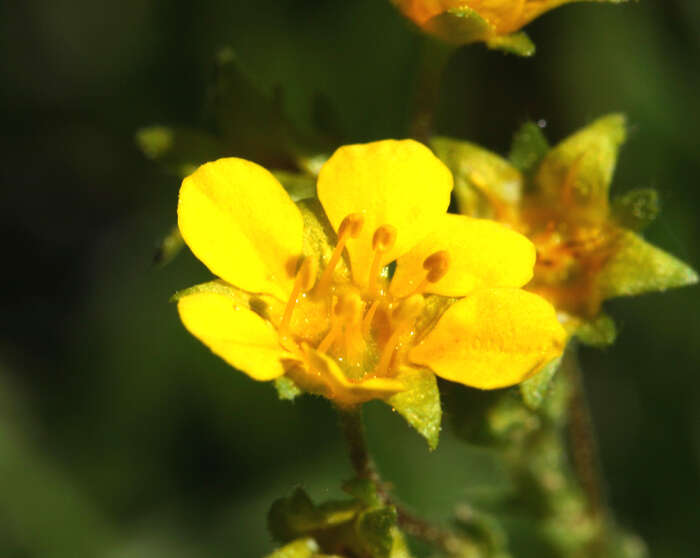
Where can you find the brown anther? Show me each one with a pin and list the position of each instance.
(351, 225)
(436, 265)
(384, 238)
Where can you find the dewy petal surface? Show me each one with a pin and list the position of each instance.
(397, 183)
(482, 254)
(239, 221)
(234, 332)
(492, 338)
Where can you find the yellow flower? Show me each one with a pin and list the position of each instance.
(306, 291)
(466, 21)
(587, 248)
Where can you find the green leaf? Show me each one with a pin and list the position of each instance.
(287, 390)
(599, 332)
(639, 267)
(515, 43)
(529, 147)
(533, 390)
(581, 166)
(296, 515)
(300, 548)
(299, 186)
(179, 150)
(459, 25)
(375, 529)
(420, 403)
(482, 178)
(169, 247)
(636, 209)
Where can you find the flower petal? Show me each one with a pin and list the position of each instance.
(224, 322)
(238, 220)
(397, 183)
(482, 254)
(492, 338)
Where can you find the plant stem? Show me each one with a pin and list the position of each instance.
(584, 446)
(353, 430)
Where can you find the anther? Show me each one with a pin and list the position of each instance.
(350, 227)
(303, 283)
(383, 240)
(436, 265)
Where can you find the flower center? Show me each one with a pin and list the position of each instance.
(366, 330)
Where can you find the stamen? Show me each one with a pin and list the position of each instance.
(369, 317)
(383, 240)
(349, 228)
(347, 310)
(436, 265)
(303, 283)
(404, 317)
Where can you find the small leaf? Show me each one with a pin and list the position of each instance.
(639, 267)
(534, 389)
(459, 25)
(300, 548)
(636, 209)
(375, 530)
(528, 148)
(485, 183)
(515, 43)
(168, 248)
(420, 403)
(287, 390)
(299, 186)
(599, 332)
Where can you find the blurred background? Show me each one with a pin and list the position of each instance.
(122, 436)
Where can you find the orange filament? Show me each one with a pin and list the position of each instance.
(436, 265)
(383, 240)
(303, 283)
(347, 312)
(369, 317)
(350, 227)
(404, 317)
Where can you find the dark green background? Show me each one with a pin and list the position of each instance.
(120, 435)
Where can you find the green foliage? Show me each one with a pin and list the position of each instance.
(598, 332)
(528, 148)
(300, 548)
(636, 209)
(420, 404)
(179, 150)
(534, 390)
(639, 267)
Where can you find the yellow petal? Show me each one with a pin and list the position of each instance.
(482, 254)
(396, 183)
(321, 374)
(238, 220)
(492, 338)
(226, 325)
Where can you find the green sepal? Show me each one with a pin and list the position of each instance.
(169, 247)
(299, 186)
(599, 332)
(460, 26)
(296, 515)
(636, 209)
(420, 403)
(515, 43)
(179, 150)
(375, 528)
(529, 147)
(287, 390)
(480, 176)
(580, 168)
(639, 267)
(534, 390)
(300, 548)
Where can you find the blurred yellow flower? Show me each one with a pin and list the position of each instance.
(466, 21)
(587, 248)
(306, 291)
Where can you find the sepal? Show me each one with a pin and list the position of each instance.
(515, 43)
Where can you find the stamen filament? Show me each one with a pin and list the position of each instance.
(303, 282)
(369, 317)
(405, 316)
(383, 240)
(349, 228)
